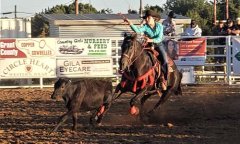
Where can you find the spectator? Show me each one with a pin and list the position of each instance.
(230, 28)
(237, 27)
(193, 30)
(219, 29)
(169, 25)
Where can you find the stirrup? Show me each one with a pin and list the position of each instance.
(164, 86)
(170, 69)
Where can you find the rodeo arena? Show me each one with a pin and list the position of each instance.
(81, 85)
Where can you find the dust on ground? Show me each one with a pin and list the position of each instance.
(207, 114)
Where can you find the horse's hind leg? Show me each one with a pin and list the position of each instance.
(166, 94)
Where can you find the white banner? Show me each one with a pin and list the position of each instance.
(27, 48)
(83, 47)
(28, 68)
(188, 74)
(236, 55)
(85, 67)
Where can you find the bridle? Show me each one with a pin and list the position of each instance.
(129, 58)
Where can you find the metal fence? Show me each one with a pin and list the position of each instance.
(218, 68)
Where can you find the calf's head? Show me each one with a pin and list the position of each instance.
(60, 87)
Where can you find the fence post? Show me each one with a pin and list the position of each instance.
(117, 64)
(41, 82)
(228, 59)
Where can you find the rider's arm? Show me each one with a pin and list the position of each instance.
(159, 36)
(138, 30)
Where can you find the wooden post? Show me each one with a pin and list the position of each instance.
(215, 12)
(15, 11)
(141, 11)
(227, 14)
(76, 7)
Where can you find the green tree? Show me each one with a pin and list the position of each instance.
(199, 10)
(155, 8)
(40, 26)
(132, 11)
(233, 6)
(105, 11)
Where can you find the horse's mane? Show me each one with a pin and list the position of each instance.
(137, 41)
(135, 37)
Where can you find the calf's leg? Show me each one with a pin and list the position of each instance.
(101, 111)
(74, 117)
(63, 118)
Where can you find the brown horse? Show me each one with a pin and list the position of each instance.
(141, 73)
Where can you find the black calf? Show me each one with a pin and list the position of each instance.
(87, 94)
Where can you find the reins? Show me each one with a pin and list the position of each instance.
(129, 57)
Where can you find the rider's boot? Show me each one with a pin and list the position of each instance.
(163, 83)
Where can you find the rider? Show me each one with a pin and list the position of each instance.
(154, 34)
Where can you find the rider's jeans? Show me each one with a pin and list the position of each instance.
(163, 58)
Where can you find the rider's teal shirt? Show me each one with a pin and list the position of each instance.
(156, 33)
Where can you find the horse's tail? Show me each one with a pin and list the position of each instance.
(179, 88)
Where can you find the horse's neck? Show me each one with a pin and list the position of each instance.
(142, 64)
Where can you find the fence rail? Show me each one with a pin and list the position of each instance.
(218, 68)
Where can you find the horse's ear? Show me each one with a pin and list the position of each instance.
(125, 35)
(62, 79)
(133, 36)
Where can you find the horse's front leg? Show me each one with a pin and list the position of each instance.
(104, 107)
(134, 110)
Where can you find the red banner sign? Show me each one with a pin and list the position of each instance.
(8, 49)
(196, 47)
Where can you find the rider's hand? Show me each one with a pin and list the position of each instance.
(148, 40)
(126, 20)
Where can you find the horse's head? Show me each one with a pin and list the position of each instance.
(131, 48)
(59, 87)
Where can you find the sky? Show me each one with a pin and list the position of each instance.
(35, 6)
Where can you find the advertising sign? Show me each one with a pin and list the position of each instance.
(188, 74)
(84, 67)
(28, 68)
(187, 52)
(27, 48)
(236, 55)
(83, 47)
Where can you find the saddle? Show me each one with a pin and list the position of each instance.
(154, 54)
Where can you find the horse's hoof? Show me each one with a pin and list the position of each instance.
(99, 124)
(144, 118)
(150, 113)
(74, 128)
(134, 110)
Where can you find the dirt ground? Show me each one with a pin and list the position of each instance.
(203, 115)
